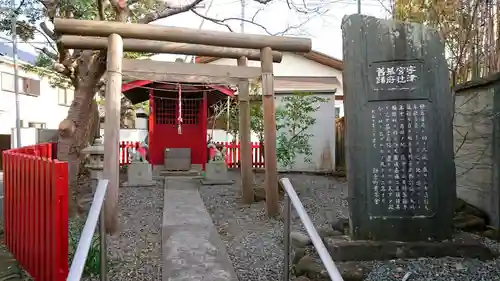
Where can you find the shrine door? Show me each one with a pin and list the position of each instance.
(164, 127)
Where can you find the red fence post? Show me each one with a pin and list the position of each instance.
(60, 201)
(36, 211)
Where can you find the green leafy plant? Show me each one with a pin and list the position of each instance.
(293, 119)
(92, 265)
(257, 120)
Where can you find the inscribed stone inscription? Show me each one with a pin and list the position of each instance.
(395, 76)
(399, 159)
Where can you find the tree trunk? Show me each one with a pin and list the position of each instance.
(75, 133)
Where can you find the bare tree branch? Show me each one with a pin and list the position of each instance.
(169, 11)
(224, 22)
(216, 21)
(303, 10)
(47, 52)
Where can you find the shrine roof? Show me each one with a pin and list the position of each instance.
(138, 90)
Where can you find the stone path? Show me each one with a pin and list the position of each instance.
(192, 248)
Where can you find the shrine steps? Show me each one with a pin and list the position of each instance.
(162, 171)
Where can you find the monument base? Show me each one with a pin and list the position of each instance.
(463, 245)
(139, 174)
(216, 174)
(351, 256)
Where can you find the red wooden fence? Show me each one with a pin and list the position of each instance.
(36, 211)
(124, 147)
(232, 153)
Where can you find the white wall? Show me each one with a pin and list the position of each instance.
(322, 141)
(340, 105)
(221, 136)
(130, 134)
(41, 109)
(28, 136)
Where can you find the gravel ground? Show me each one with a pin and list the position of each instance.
(253, 241)
(136, 253)
(442, 269)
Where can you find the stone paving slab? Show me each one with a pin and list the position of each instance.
(192, 248)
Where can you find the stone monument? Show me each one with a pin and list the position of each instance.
(216, 168)
(399, 109)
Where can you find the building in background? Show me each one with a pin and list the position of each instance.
(41, 106)
(312, 72)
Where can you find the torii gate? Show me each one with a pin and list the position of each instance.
(87, 31)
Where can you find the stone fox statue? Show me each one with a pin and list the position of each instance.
(141, 155)
(217, 152)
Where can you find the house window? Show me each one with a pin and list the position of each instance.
(7, 82)
(65, 96)
(37, 125)
(337, 112)
(27, 86)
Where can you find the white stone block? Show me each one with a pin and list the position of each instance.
(139, 173)
(216, 170)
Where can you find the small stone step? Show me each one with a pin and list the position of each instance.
(179, 173)
(463, 245)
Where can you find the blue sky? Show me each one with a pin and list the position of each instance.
(324, 30)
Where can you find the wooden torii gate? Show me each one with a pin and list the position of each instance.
(86, 34)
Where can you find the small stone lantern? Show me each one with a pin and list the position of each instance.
(95, 159)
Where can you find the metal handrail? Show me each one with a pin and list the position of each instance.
(291, 198)
(96, 213)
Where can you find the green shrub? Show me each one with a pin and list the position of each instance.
(92, 264)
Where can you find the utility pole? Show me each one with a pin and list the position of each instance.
(16, 74)
(359, 6)
(242, 23)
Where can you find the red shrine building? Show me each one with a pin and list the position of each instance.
(178, 115)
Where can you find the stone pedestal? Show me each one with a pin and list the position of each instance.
(140, 174)
(216, 173)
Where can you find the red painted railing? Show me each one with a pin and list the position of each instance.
(232, 153)
(36, 210)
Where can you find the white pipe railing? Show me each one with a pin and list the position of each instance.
(95, 214)
(291, 198)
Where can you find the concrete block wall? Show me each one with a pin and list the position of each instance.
(474, 141)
